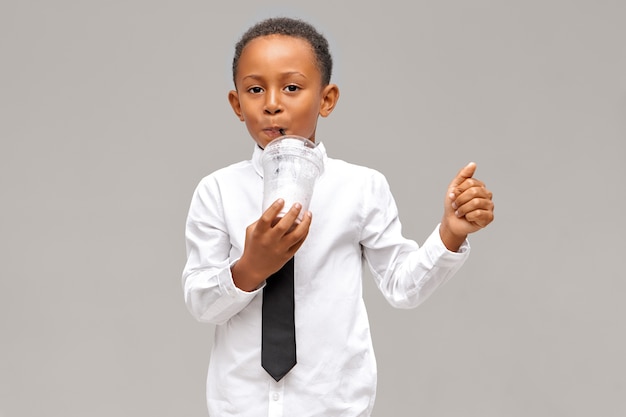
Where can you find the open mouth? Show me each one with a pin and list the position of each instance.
(274, 132)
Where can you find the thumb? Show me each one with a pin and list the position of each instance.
(466, 172)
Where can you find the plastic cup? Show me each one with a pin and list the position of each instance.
(291, 166)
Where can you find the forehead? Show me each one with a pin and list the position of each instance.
(277, 51)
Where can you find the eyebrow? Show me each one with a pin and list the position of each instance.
(285, 74)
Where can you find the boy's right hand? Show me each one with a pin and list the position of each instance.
(269, 245)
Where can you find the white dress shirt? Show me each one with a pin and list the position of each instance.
(355, 221)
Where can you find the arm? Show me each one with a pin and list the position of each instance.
(217, 287)
(405, 273)
(209, 291)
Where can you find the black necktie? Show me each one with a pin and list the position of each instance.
(278, 347)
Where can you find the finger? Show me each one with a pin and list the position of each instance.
(269, 216)
(465, 195)
(299, 233)
(301, 229)
(480, 217)
(464, 173)
(471, 187)
(289, 220)
(475, 204)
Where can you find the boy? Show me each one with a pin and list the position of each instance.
(281, 70)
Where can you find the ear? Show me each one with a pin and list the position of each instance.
(233, 99)
(330, 96)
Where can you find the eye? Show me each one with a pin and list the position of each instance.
(255, 90)
(292, 88)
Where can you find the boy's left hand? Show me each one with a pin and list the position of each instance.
(468, 207)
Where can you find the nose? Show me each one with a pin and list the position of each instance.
(272, 103)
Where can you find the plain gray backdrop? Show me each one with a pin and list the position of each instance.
(112, 111)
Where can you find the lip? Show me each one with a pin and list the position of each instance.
(273, 132)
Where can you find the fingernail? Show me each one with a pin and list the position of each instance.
(451, 195)
(457, 213)
(454, 205)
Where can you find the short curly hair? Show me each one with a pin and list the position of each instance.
(289, 27)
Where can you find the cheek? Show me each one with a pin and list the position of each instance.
(248, 114)
(309, 114)
(248, 106)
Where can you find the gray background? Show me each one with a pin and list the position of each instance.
(111, 112)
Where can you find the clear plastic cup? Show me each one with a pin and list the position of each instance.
(291, 166)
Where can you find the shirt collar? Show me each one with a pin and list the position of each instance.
(258, 153)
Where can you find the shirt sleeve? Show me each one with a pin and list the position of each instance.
(405, 273)
(210, 293)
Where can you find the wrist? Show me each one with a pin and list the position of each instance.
(452, 241)
(245, 278)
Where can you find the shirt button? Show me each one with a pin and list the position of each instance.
(275, 396)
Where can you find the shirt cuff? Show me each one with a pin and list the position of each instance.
(227, 284)
(437, 250)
